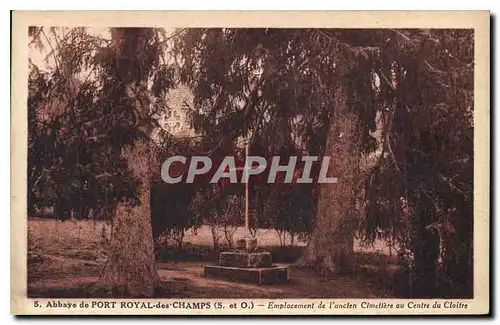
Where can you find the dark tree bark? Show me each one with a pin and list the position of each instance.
(331, 246)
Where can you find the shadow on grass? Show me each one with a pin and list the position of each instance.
(372, 272)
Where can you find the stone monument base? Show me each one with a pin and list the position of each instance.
(245, 266)
(268, 275)
(245, 259)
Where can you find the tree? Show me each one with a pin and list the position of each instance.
(220, 206)
(281, 87)
(208, 205)
(317, 91)
(131, 264)
(422, 178)
(63, 154)
(171, 211)
(104, 127)
(331, 246)
(398, 185)
(233, 217)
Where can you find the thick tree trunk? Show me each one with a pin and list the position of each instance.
(131, 269)
(331, 246)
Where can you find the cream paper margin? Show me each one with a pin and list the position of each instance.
(479, 20)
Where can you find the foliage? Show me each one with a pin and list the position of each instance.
(421, 191)
(411, 92)
(276, 87)
(80, 123)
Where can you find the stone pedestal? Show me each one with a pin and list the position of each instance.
(270, 275)
(247, 244)
(245, 260)
(244, 266)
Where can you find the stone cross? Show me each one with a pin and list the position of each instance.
(250, 243)
(247, 217)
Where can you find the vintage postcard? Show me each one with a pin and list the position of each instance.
(250, 163)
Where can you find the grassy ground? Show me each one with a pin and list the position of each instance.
(65, 260)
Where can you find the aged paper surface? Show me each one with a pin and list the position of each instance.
(60, 257)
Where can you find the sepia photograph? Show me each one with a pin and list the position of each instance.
(201, 164)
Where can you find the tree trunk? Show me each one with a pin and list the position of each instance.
(331, 246)
(180, 239)
(458, 260)
(215, 235)
(131, 268)
(425, 247)
(229, 233)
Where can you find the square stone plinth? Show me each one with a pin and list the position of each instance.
(270, 275)
(245, 260)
